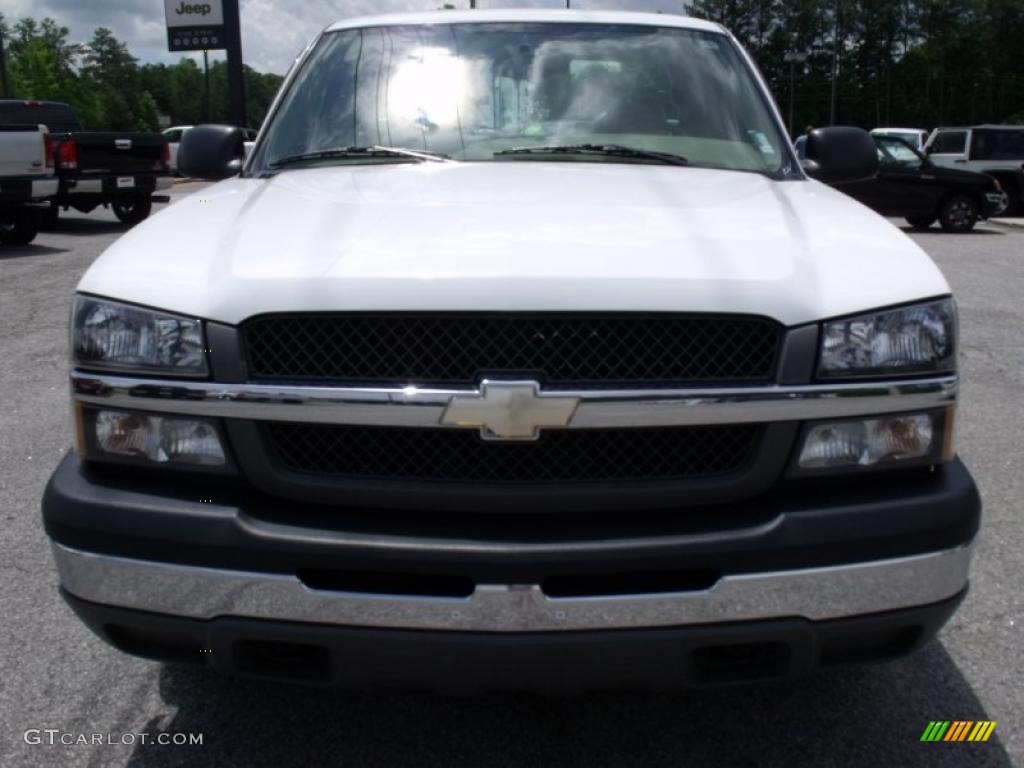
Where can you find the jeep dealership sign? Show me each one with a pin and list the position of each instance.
(194, 25)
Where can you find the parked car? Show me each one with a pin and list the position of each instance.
(26, 180)
(121, 170)
(997, 150)
(547, 367)
(174, 134)
(908, 184)
(915, 137)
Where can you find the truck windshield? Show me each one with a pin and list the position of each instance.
(473, 91)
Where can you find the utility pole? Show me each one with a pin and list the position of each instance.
(206, 86)
(793, 57)
(236, 81)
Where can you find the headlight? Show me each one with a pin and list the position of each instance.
(109, 335)
(914, 339)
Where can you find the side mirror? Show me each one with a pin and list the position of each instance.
(211, 152)
(835, 155)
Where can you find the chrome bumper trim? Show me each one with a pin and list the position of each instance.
(414, 407)
(44, 188)
(813, 593)
(87, 187)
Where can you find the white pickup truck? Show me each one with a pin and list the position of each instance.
(996, 150)
(27, 181)
(522, 352)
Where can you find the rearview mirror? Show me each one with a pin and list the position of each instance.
(211, 152)
(840, 154)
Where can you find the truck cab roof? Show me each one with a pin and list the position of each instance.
(529, 15)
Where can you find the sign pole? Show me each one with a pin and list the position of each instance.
(211, 25)
(793, 57)
(206, 86)
(236, 76)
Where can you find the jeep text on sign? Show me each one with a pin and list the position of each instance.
(194, 13)
(194, 25)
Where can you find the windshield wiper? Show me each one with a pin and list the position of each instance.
(609, 150)
(361, 152)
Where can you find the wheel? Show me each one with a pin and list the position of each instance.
(959, 214)
(50, 217)
(132, 210)
(21, 228)
(920, 222)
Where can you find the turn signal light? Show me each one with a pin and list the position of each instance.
(158, 439)
(899, 439)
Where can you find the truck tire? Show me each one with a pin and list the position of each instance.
(132, 210)
(921, 222)
(21, 229)
(959, 213)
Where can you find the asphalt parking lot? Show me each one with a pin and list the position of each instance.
(55, 675)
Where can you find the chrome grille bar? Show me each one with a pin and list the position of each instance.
(415, 407)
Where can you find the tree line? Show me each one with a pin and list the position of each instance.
(914, 63)
(110, 90)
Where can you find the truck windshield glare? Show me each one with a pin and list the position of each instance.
(472, 91)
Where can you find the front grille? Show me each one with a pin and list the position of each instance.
(661, 453)
(556, 349)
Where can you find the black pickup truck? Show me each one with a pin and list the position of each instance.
(116, 169)
(910, 185)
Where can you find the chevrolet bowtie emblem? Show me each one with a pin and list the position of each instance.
(509, 410)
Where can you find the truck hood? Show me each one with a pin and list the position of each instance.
(515, 235)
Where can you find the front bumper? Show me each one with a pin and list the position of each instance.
(995, 203)
(791, 561)
(812, 593)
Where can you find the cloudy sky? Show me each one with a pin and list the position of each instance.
(273, 31)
